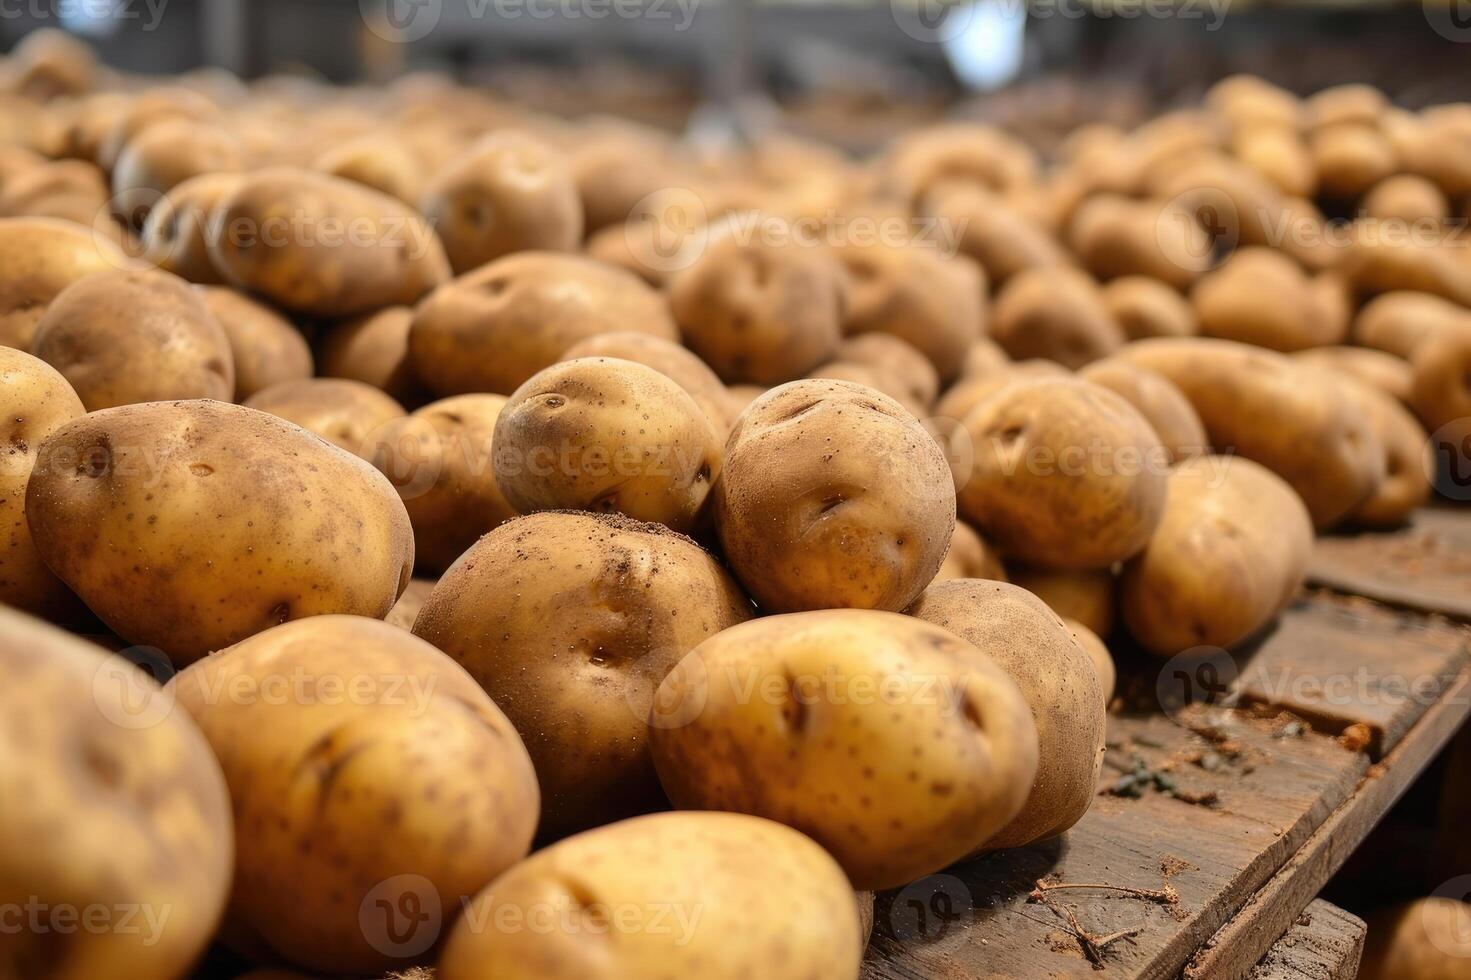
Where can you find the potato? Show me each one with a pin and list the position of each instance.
(374, 349)
(616, 165)
(48, 63)
(375, 161)
(965, 153)
(347, 414)
(1261, 296)
(71, 189)
(1032, 645)
(341, 785)
(491, 330)
(323, 245)
(1338, 104)
(1268, 408)
(1097, 652)
(1068, 475)
(969, 557)
(1409, 458)
(1421, 940)
(1117, 236)
(971, 390)
(406, 609)
(1382, 258)
(125, 337)
(1399, 322)
(1350, 158)
(183, 224)
(1003, 240)
(741, 396)
(603, 434)
(833, 496)
(1408, 199)
(39, 257)
(211, 541)
(933, 304)
(265, 347)
(122, 124)
(165, 155)
(983, 357)
(1057, 314)
(511, 192)
(1229, 555)
(570, 621)
(1440, 396)
(1086, 598)
(37, 402)
(1246, 98)
(760, 311)
(1378, 369)
(914, 372)
(1158, 400)
(1279, 154)
(882, 380)
(896, 745)
(440, 460)
(675, 891)
(1145, 307)
(136, 814)
(676, 363)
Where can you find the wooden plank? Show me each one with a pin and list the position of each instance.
(1231, 952)
(1424, 566)
(1325, 943)
(1341, 661)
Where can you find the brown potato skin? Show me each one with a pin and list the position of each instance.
(37, 402)
(677, 363)
(1088, 598)
(1408, 199)
(165, 155)
(1157, 399)
(969, 557)
(1117, 236)
(138, 807)
(491, 330)
(1026, 639)
(1145, 307)
(1057, 314)
(121, 338)
(1067, 474)
(336, 796)
(210, 542)
(1003, 240)
(1387, 372)
(511, 192)
(374, 349)
(1097, 651)
(725, 864)
(1269, 408)
(180, 227)
(1261, 296)
(915, 372)
(888, 814)
(833, 496)
(603, 434)
(1399, 322)
(1229, 555)
(1420, 940)
(570, 621)
(347, 414)
(1439, 395)
(41, 257)
(264, 346)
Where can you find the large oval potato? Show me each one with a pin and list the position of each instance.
(1056, 676)
(491, 330)
(265, 347)
(374, 349)
(676, 890)
(833, 496)
(1055, 313)
(1399, 322)
(1230, 553)
(1261, 296)
(227, 519)
(1389, 373)
(675, 362)
(121, 338)
(1068, 475)
(604, 434)
(897, 745)
(347, 414)
(113, 803)
(1409, 458)
(183, 224)
(1269, 408)
(37, 402)
(571, 621)
(1157, 399)
(39, 257)
(365, 767)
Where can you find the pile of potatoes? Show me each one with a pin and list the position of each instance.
(550, 552)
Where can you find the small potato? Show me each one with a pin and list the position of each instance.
(969, 557)
(1097, 652)
(1387, 372)
(375, 161)
(808, 749)
(491, 330)
(965, 153)
(340, 802)
(1399, 322)
(374, 349)
(932, 304)
(1032, 645)
(210, 542)
(760, 311)
(1408, 199)
(135, 813)
(708, 877)
(323, 245)
(603, 434)
(122, 124)
(1082, 597)
(48, 63)
(165, 155)
(1381, 258)
(1145, 307)
(39, 257)
(1229, 555)
(1279, 154)
(677, 363)
(1425, 939)
(833, 496)
(37, 402)
(1350, 158)
(511, 192)
(616, 165)
(71, 189)
(121, 338)
(1440, 395)
(182, 225)
(265, 347)
(882, 380)
(1158, 400)
(1067, 475)
(983, 357)
(345, 413)
(1001, 239)
(883, 350)
(1409, 461)
(1261, 296)
(1057, 314)
(1117, 236)
(1269, 408)
(571, 621)
(440, 461)
(1337, 104)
